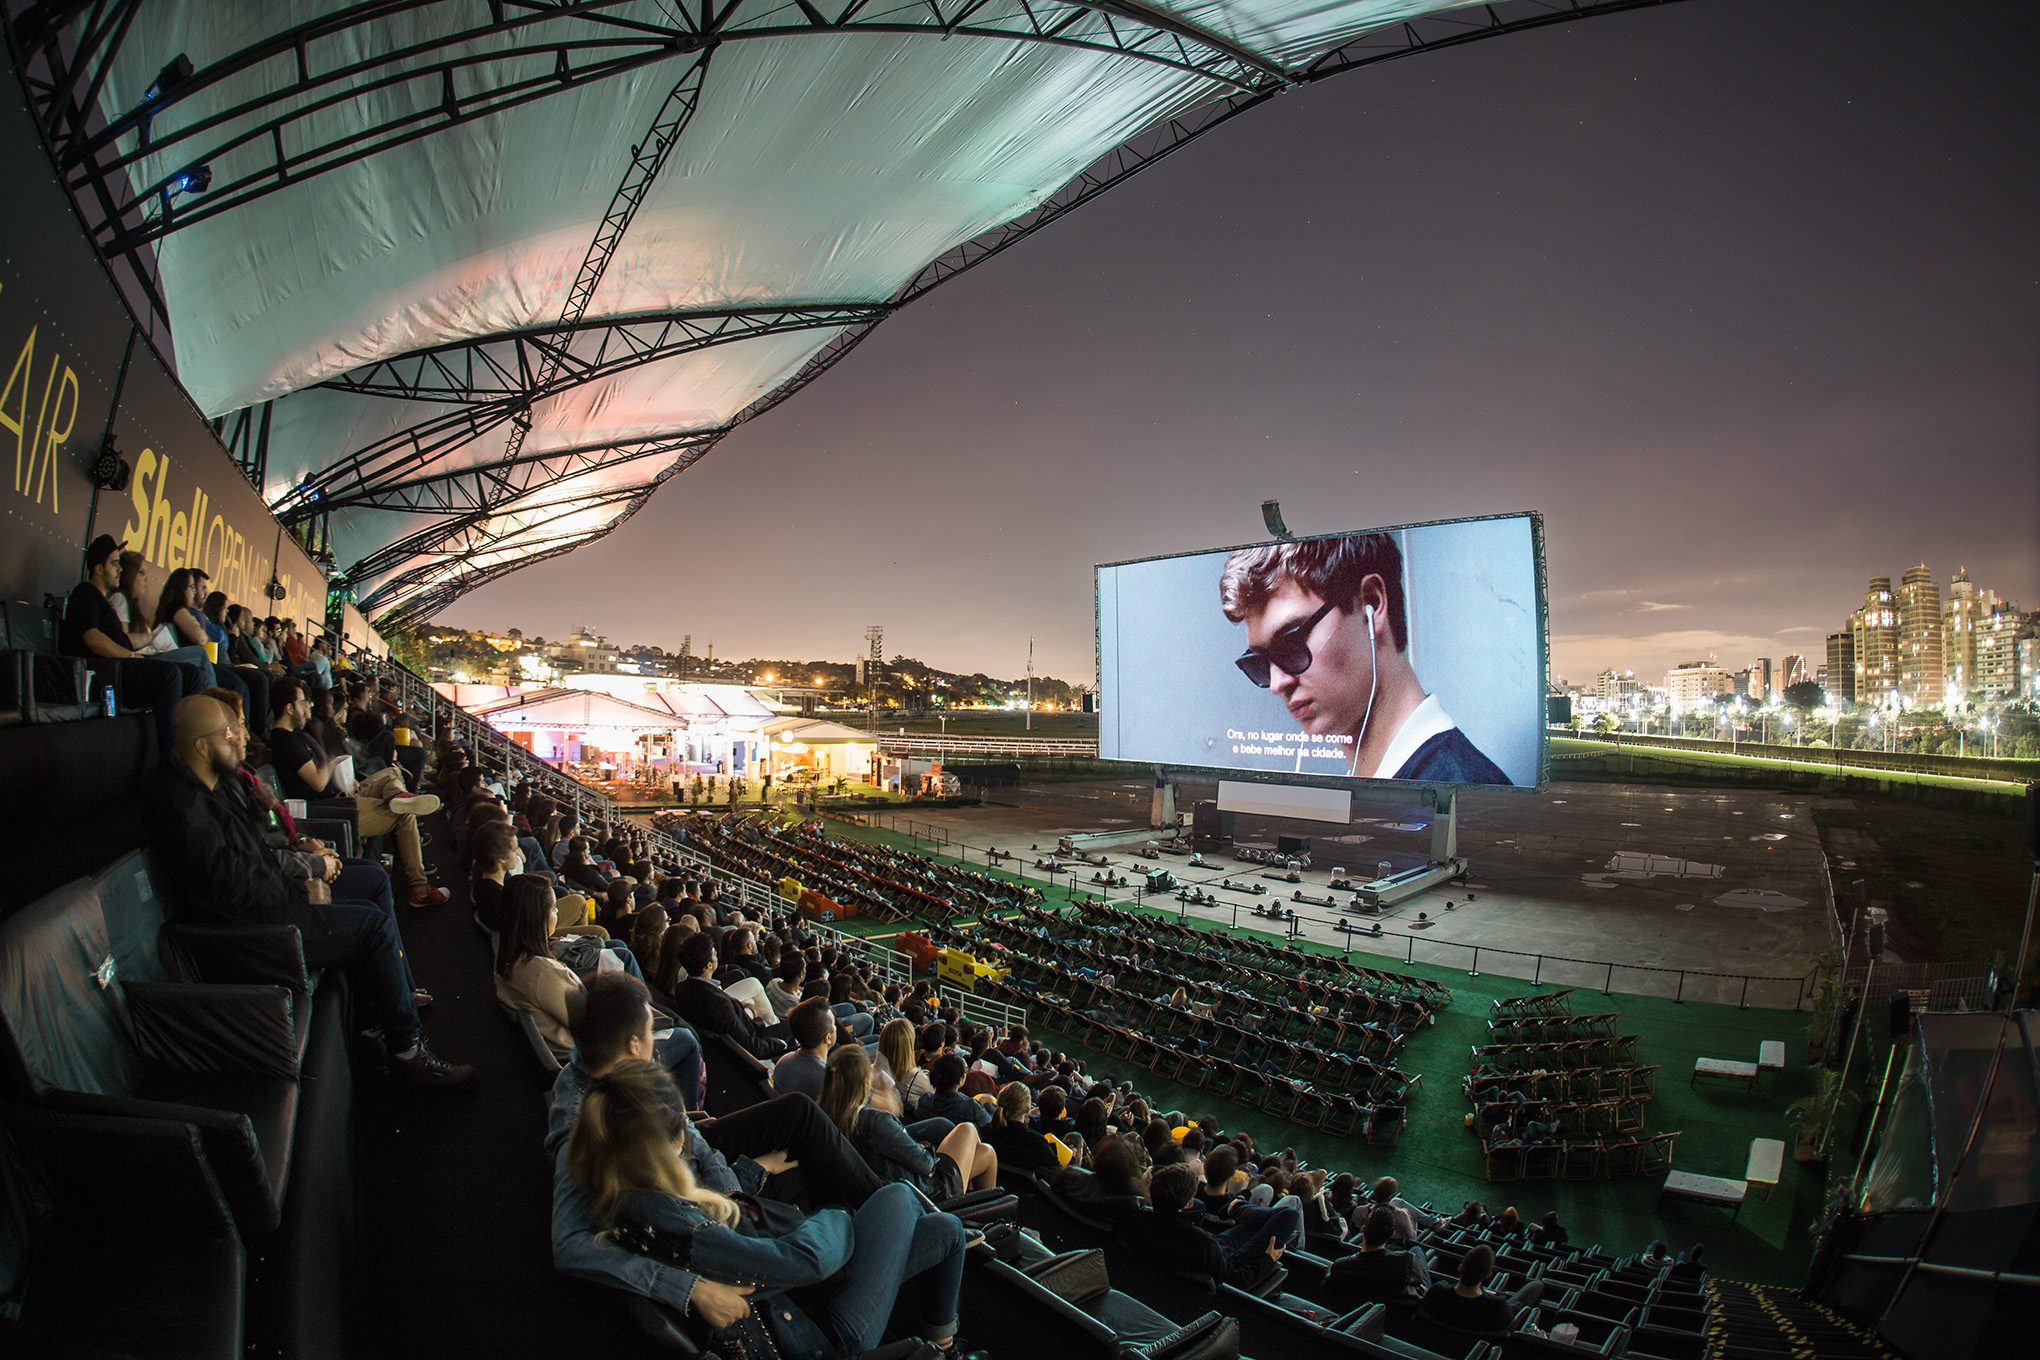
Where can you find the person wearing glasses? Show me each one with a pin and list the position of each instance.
(1328, 632)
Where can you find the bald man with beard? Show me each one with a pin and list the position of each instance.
(208, 840)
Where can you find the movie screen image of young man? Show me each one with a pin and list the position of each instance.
(1410, 654)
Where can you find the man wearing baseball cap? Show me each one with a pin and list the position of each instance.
(92, 630)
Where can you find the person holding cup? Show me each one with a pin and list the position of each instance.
(177, 611)
(222, 626)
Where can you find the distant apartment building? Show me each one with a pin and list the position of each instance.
(1873, 634)
(1760, 680)
(2004, 646)
(1964, 610)
(1696, 684)
(1792, 671)
(1922, 645)
(1617, 689)
(1838, 673)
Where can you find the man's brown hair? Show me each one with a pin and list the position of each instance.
(1330, 568)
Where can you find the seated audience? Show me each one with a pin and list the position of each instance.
(209, 842)
(802, 1070)
(945, 1100)
(1015, 1141)
(712, 1010)
(1377, 1273)
(305, 770)
(1172, 1238)
(941, 1159)
(93, 630)
(1467, 1307)
(629, 1153)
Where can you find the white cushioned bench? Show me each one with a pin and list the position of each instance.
(1725, 1068)
(1767, 1163)
(1716, 1190)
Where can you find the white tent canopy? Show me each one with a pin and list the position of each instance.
(498, 270)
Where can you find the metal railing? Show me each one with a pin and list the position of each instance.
(2004, 770)
(1741, 990)
(918, 742)
(984, 1010)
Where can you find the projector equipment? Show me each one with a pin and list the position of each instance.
(1161, 880)
(1293, 845)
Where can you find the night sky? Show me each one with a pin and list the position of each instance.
(1744, 296)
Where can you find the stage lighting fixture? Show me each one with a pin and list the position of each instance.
(175, 72)
(196, 180)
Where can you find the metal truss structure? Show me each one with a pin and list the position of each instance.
(487, 518)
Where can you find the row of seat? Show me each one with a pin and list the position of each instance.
(185, 1091)
(1582, 1159)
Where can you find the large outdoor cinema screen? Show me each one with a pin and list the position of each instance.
(1412, 654)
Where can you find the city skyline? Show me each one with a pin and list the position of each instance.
(1748, 321)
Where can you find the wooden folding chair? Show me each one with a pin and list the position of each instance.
(1642, 1083)
(1504, 1163)
(1386, 1124)
(1622, 1158)
(1657, 1154)
(1582, 1160)
(1628, 1116)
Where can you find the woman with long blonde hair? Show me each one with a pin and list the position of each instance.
(628, 1152)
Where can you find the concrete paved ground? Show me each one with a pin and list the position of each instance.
(1692, 881)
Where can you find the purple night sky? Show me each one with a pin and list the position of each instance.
(1744, 296)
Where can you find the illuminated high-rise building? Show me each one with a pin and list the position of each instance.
(1967, 607)
(1873, 634)
(1838, 676)
(1998, 650)
(1696, 684)
(1922, 646)
(1792, 671)
(1761, 689)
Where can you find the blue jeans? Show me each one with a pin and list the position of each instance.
(365, 880)
(896, 1242)
(860, 1021)
(1254, 1228)
(362, 939)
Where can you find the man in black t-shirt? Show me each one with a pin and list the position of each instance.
(1466, 1307)
(92, 630)
(1375, 1274)
(304, 770)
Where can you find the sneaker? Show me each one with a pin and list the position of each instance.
(427, 1069)
(416, 804)
(428, 896)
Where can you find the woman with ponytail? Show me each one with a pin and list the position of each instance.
(938, 1157)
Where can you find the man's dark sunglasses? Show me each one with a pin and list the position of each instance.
(1289, 649)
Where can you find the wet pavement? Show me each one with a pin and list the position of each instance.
(1638, 887)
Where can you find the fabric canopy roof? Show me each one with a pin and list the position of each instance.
(500, 269)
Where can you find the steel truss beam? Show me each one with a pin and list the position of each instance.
(529, 50)
(492, 382)
(479, 535)
(474, 496)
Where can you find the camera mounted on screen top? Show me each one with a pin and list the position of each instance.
(1271, 515)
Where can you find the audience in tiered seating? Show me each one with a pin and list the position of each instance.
(209, 837)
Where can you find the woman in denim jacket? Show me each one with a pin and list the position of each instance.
(941, 1158)
(626, 1151)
